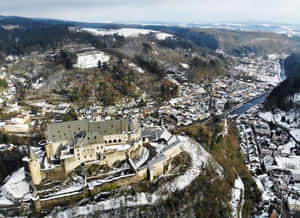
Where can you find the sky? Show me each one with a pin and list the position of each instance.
(136, 11)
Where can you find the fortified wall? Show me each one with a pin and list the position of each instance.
(81, 145)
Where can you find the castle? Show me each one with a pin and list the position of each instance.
(71, 144)
(80, 159)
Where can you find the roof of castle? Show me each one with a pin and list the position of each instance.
(92, 131)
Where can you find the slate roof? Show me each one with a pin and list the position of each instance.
(94, 131)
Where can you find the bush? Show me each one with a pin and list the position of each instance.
(109, 187)
(3, 84)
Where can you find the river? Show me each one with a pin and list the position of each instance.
(260, 99)
(282, 73)
(249, 105)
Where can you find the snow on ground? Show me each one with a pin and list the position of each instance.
(185, 66)
(297, 97)
(296, 134)
(16, 186)
(5, 202)
(259, 184)
(286, 149)
(138, 69)
(143, 158)
(163, 36)
(158, 147)
(70, 189)
(199, 158)
(127, 32)
(237, 197)
(117, 147)
(267, 116)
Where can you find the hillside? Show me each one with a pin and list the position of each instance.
(285, 95)
(235, 42)
(209, 194)
(292, 65)
(139, 65)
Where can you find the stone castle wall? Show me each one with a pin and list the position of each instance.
(143, 173)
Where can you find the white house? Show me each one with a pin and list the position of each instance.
(90, 59)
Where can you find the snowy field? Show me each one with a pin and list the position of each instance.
(237, 198)
(127, 32)
(15, 188)
(138, 69)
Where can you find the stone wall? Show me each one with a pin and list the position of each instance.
(63, 200)
(172, 151)
(35, 171)
(56, 173)
(156, 168)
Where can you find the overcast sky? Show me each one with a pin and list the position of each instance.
(199, 11)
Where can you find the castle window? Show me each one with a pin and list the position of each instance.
(84, 157)
(101, 147)
(105, 141)
(95, 137)
(110, 141)
(91, 155)
(104, 157)
(97, 147)
(88, 138)
(79, 158)
(115, 140)
(120, 140)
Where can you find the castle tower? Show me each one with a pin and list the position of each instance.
(35, 168)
